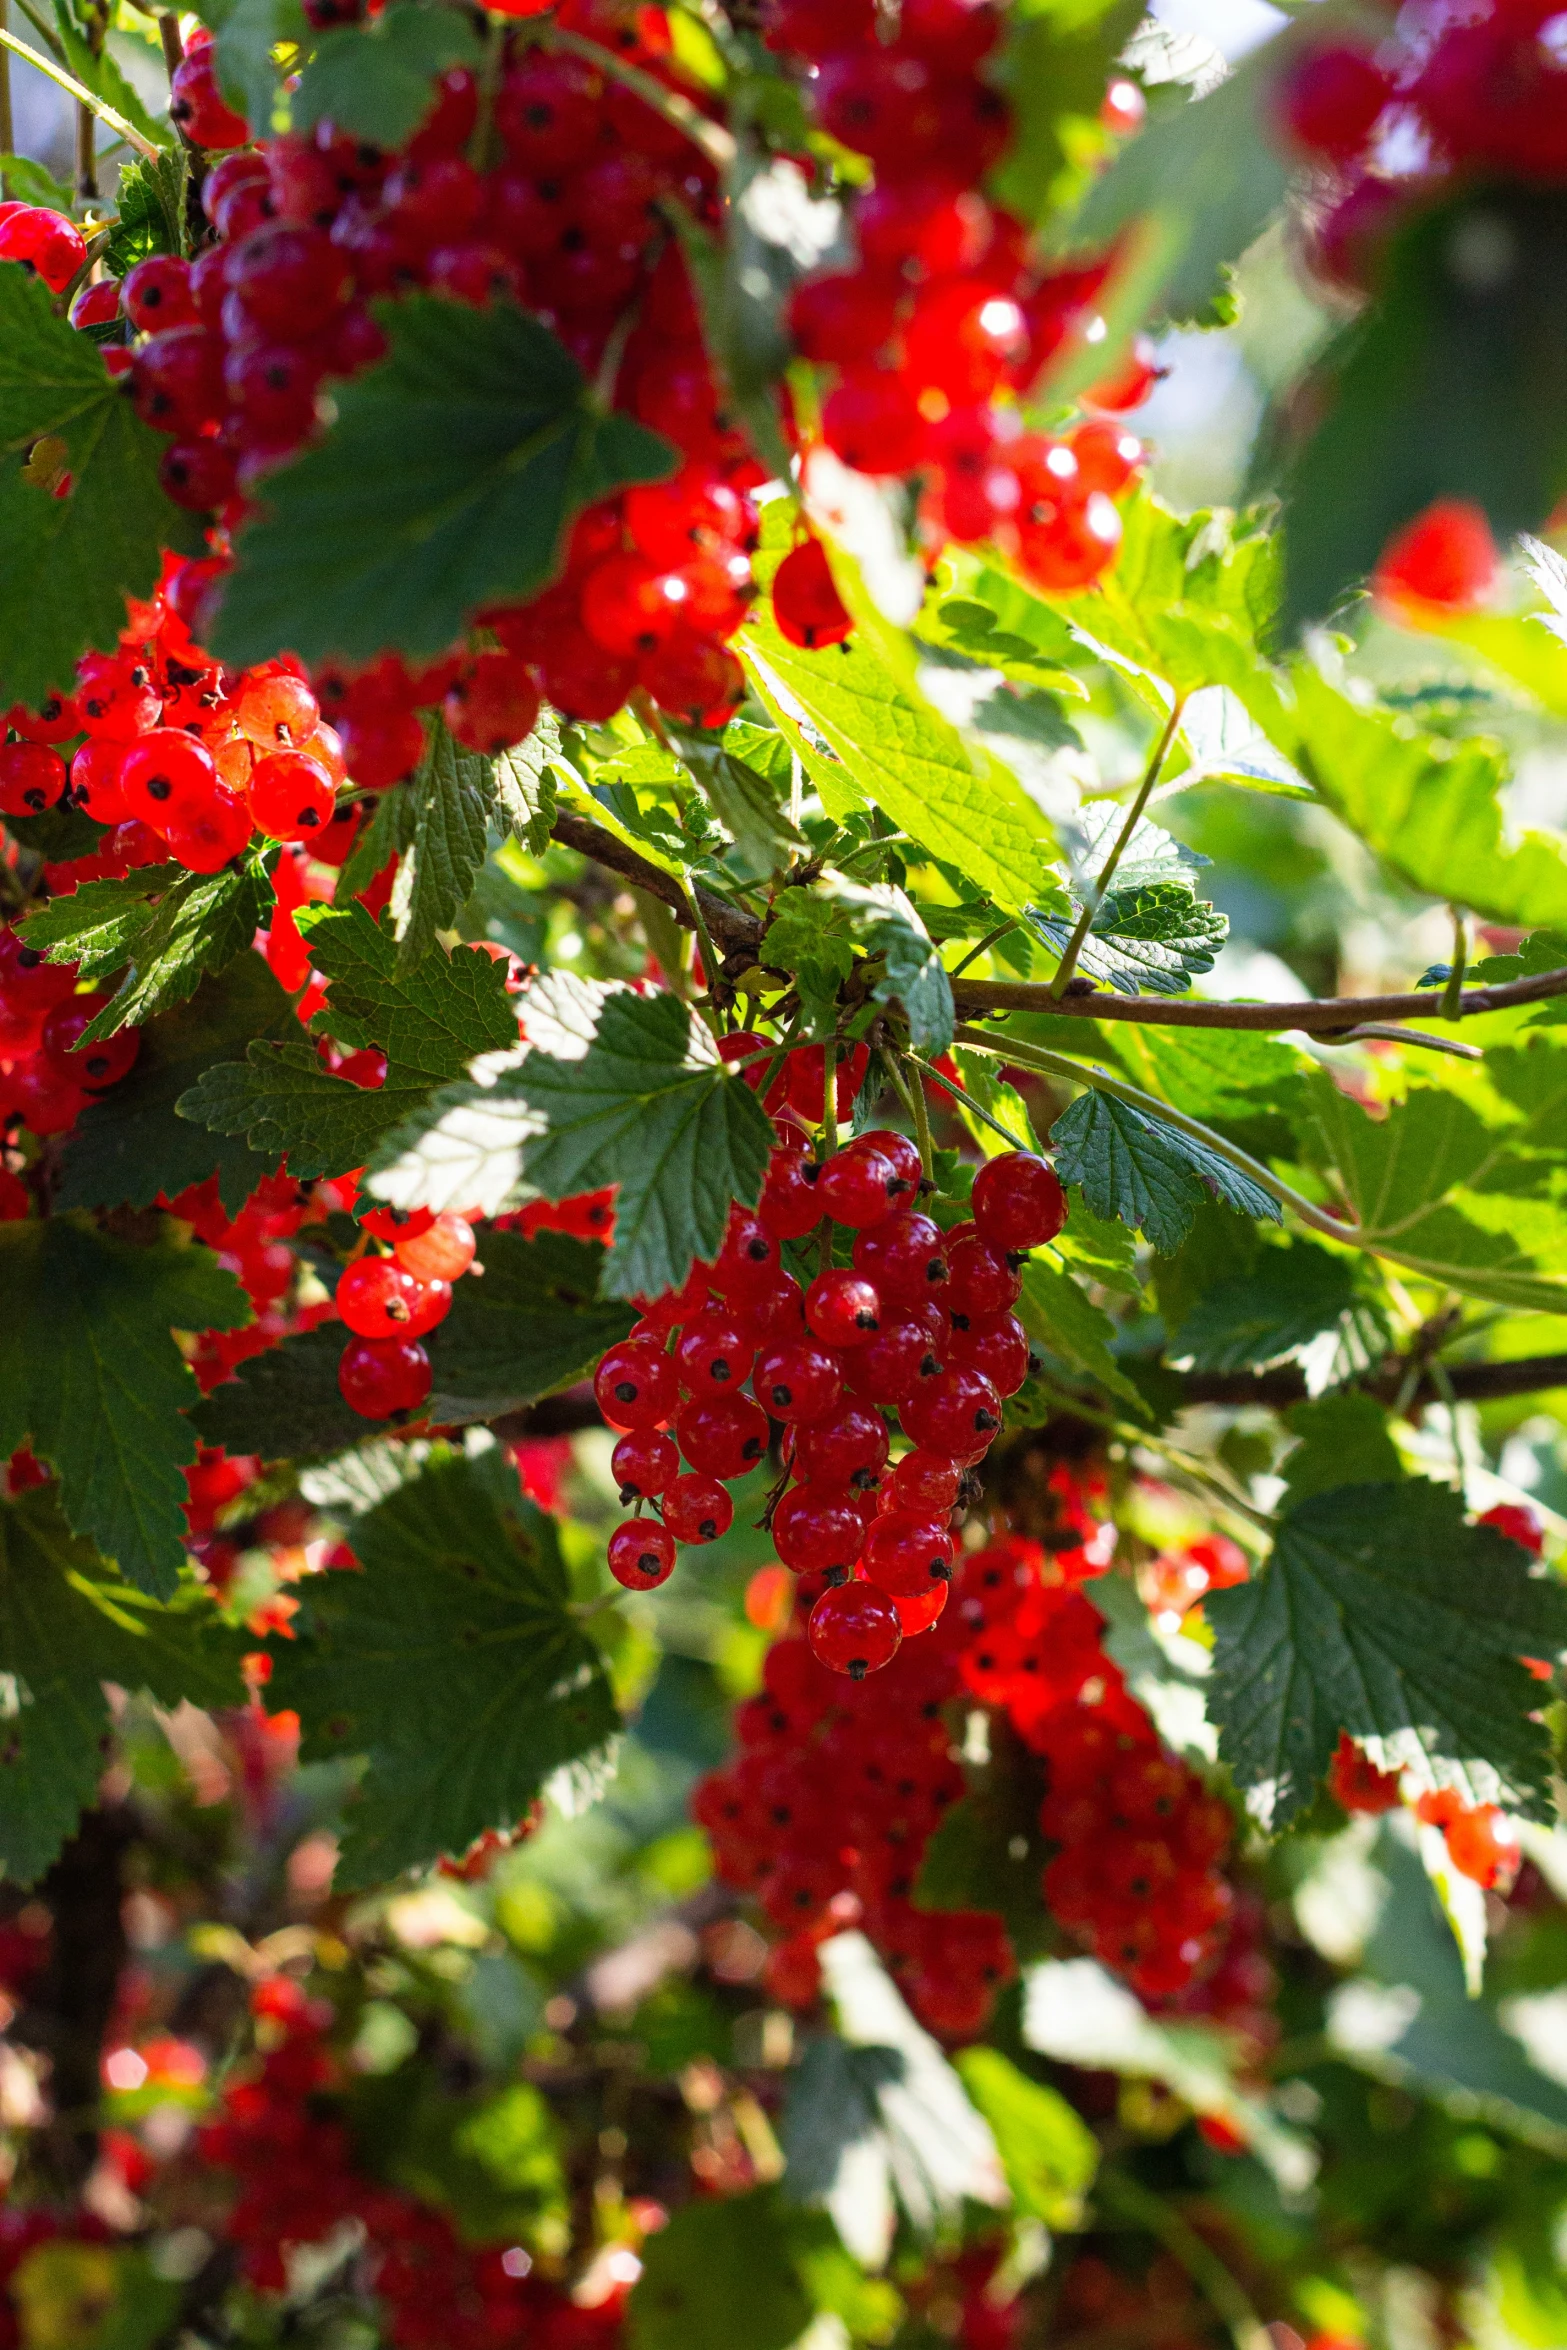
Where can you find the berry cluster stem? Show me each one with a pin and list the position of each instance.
(83, 96)
(1096, 895)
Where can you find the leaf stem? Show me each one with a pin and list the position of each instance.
(717, 144)
(965, 1101)
(45, 32)
(1223, 2292)
(173, 46)
(986, 942)
(83, 96)
(1106, 874)
(709, 951)
(1453, 992)
(7, 126)
(1032, 1056)
(922, 1128)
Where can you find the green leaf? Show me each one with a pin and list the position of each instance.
(1344, 1440)
(1047, 2150)
(452, 1662)
(651, 1108)
(1151, 930)
(1432, 809)
(67, 1627)
(130, 1144)
(1055, 60)
(816, 933)
(1413, 1178)
(285, 1404)
(97, 925)
(1055, 1309)
(92, 1380)
(744, 802)
(988, 1851)
(31, 183)
(150, 204)
(1453, 384)
(100, 72)
(1381, 1612)
(720, 2272)
(68, 564)
(430, 1023)
(161, 927)
(1197, 186)
(247, 32)
(1288, 1298)
(532, 1324)
(447, 483)
(525, 790)
(444, 816)
(376, 80)
(1149, 1174)
(898, 752)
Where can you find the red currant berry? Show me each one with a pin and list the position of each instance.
(996, 1344)
(205, 838)
(904, 1257)
(92, 1066)
(643, 1463)
(378, 1298)
(641, 1554)
(808, 1081)
(848, 1447)
(905, 1554)
(747, 1265)
(723, 1436)
(380, 1376)
(818, 1529)
(1018, 1202)
(916, 1613)
(981, 1280)
(167, 776)
(842, 1309)
(714, 1353)
(1518, 1522)
(797, 1382)
(635, 1385)
(32, 778)
(806, 603)
(290, 796)
(45, 243)
(1446, 557)
(779, 1314)
(1329, 100)
(494, 705)
(854, 1629)
(901, 1154)
(156, 294)
(905, 1353)
(698, 1508)
(957, 1413)
(789, 1205)
(858, 1187)
(924, 1482)
(443, 1252)
(1482, 1845)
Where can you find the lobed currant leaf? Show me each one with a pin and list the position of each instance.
(1149, 1174)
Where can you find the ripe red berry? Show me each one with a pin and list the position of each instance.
(635, 1385)
(924, 1482)
(724, 1436)
(444, 1252)
(806, 604)
(714, 1353)
(32, 778)
(156, 294)
(1483, 1845)
(380, 1376)
(858, 1187)
(904, 1257)
(854, 1629)
(206, 837)
(818, 1529)
(847, 1447)
(379, 1298)
(165, 776)
(747, 1264)
(1446, 557)
(905, 1553)
(909, 1348)
(92, 1066)
(643, 1463)
(996, 1344)
(494, 705)
(275, 709)
(290, 796)
(789, 1206)
(842, 1309)
(641, 1554)
(1018, 1202)
(1328, 101)
(957, 1413)
(697, 1508)
(1518, 1522)
(980, 1279)
(900, 1153)
(46, 243)
(797, 1381)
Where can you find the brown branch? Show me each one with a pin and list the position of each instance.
(731, 926)
(1467, 1382)
(1328, 1017)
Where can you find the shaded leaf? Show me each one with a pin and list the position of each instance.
(534, 1323)
(1344, 1440)
(1047, 2150)
(377, 80)
(1149, 1174)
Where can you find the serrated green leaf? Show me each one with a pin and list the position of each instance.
(1149, 1174)
(452, 1662)
(376, 80)
(285, 1103)
(97, 924)
(130, 1144)
(1055, 1310)
(815, 934)
(447, 483)
(1151, 931)
(445, 822)
(1289, 1297)
(66, 1628)
(161, 927)
(91, 1378)
(744, 802)
(650, 1108)
(1196, 186)
(898, 752)
(525, 790)
(1381, 1612)
(535, 1322)
(1433, 810)
(1344, 1440)
(150, 208)
(285, 1404)
(68, 564)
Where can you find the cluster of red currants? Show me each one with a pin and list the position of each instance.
(47, 1076)
(177, 756)
(950, 318)
(253, 1246)
(298, 2184)
(234, 350)
(917, 1321)
(1478, 93)
(389, 1301)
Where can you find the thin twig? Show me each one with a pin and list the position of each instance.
(1325, 1016)
(986, 942)
(77, 90)
(1159, 2219)
(1095, 897)
(965, 1101)
(173, 46)
(922, 1129)
(7, 126)
(1453, 992)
